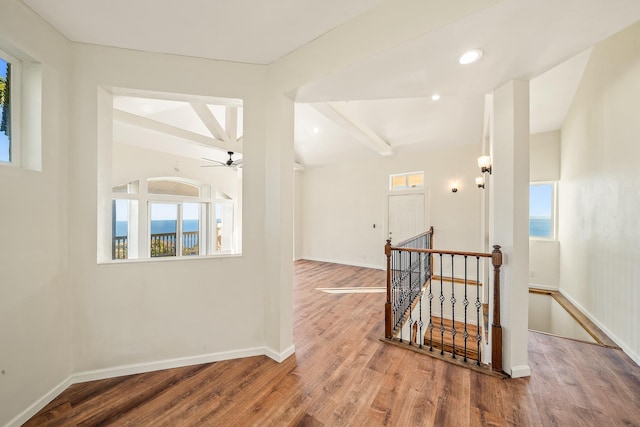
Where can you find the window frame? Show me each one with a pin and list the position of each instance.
(15, 108)
(203, 225)
(140, 244)
(554, 210)
(407, 176)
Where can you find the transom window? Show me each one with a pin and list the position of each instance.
(406, 181)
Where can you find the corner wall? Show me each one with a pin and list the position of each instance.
(600, 269)
(35, 313)
(544, 254)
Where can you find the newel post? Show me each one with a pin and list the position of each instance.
(496, 328)
(387, 306)
(431, 246)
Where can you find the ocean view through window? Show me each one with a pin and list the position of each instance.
(542, 202)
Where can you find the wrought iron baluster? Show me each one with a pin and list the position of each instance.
(410, 299)
(441, 310)
(402, 294)
(430, 315)
(478, 305)
(465, 303)
(453, 311)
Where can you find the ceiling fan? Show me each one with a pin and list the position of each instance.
(228, 163)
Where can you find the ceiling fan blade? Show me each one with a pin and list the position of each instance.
(214, 161)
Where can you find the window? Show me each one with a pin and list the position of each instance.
(182, 220)
(20, 111)
(175, 229)
(542, 210)
(406, 181)
(7, 143)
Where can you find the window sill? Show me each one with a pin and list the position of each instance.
(543, 239)
(167, 259)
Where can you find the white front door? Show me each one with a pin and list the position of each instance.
(406, 216)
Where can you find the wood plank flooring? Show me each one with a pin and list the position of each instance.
(343, 375)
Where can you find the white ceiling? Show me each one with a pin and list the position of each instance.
(387, 95)
(232, 30)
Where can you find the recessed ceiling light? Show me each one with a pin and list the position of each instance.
(435, 97)
(316, 130)
(470, 57)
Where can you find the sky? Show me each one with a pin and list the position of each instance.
(160, 211)
(541, 200)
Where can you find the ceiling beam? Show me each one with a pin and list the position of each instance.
(231, 122)
(167, 96)
(210, 121)
(337, 114)
(192, 137)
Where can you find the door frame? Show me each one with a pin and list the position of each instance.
(425, 191)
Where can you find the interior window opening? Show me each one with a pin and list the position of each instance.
(185, 155)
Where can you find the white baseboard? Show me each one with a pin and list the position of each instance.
(628, 351)
(280, 357)
(25, 415)
(354, 264)
(521, 371)
(139, 368)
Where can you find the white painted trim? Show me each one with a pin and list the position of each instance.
(280, 357)
(521, 371)
(543, 287)
(36, 406)
(139, 368)
(628, 351)
(334, 261)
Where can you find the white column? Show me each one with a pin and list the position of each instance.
(509, 217)
(278, 227)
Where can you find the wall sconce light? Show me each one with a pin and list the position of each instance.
(454, 187)
(484, 163)
(480, 181)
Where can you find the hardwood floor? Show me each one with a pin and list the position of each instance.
(342, 374)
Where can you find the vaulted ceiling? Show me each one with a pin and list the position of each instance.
(382, 104)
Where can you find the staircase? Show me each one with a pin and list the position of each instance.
(434, 339)
(438, 303)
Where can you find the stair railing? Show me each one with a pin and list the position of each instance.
(432, 303)
(407, 273)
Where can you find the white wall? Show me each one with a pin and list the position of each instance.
(143, 312)
(599, 230)
(544, 254)
(342, 203)
(35, 315)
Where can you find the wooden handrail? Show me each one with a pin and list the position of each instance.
(439, 251)
(430, 231)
